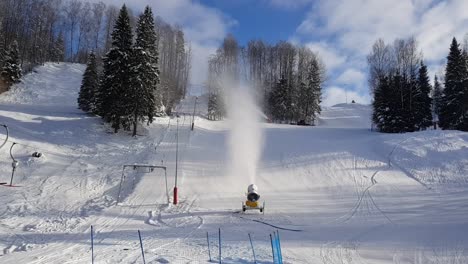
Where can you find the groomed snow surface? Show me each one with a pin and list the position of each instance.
(358, 196)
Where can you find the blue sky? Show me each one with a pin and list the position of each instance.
(340, 31)
(259, 20)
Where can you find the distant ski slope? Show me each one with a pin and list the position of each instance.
(358, 196)
(346, 116)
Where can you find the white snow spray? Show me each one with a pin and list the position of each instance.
(245, 136)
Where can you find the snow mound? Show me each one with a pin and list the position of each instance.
(432, 157)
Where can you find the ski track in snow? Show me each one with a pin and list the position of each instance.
(357, 196)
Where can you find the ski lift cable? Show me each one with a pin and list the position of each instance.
(40, 149)
(35, 148)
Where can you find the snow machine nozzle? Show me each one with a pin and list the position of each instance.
(252, 193)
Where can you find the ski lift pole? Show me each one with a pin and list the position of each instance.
(167, 188)
(141, 246)
(14, 164)
(208, 241)
(253, 250)
(176, 164)
(193, 116)
(120, 185)
(219, 247)
(92, 245)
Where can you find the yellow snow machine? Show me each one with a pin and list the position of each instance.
(253, 198)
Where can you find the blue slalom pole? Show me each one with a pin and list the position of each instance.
(279, 247)
(208, 241)
(253, 250)
(272, 249)
(219, 234)
(92, 246)
(141, 245)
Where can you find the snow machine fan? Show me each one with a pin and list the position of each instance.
(253, 198)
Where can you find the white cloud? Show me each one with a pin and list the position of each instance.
(439, 24)
(337, 95)
(360, 22)
(355, 24)
(330, 56)
(348, 28)
(351, 76)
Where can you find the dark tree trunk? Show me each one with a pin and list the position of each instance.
(135, 124)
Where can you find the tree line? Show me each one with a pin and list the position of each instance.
(404, 99)
(129, 90)
(68, 30)
(286, 79)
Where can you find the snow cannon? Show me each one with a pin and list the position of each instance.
(253, 198)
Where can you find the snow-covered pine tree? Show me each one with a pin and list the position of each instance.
(215, 111)
(114, 92)
(11, 71)
(422, 102)
(315, 84)
(180, 60)
(407, 112)
(145, 98)
(388, 111)
(437, 96)
(212, 106)
(454, 111)
(2, 55)
(89, 86)
(58, 49)
(381, 109)
(464, 96)
(302, 100)
(280, 101)
(294, 91)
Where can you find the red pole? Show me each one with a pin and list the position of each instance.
(175, 195)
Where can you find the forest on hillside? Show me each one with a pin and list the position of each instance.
(286, 79)
(38, 31)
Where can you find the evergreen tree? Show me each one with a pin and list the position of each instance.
(407, 112)
(437, 96)
(454, 111)
(89, 86)
(114, 103)
(302, 99)
(11, 72)
(422, 101)
(280, 101)
(145, 97)
(309, 96)
(212, 106)
(58, 51)
(216, 108)
(315, 86)
(380, 113)
(389, 111)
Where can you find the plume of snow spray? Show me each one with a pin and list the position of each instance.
(245, 136)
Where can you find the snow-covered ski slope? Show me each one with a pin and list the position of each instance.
(357, 196)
